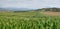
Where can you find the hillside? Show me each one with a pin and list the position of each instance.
(50, 9)
(29, 10)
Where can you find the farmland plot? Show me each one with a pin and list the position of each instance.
(28, 20)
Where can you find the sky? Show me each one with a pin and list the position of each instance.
(29, 3)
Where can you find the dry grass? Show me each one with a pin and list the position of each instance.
(52, 13)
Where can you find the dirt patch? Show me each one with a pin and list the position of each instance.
(52, 13)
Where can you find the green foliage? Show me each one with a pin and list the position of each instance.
(28, 20)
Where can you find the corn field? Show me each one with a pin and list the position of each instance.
(28, 20)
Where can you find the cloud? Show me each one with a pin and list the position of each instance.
(30, 3)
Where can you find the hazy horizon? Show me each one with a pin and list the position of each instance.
(29, 3)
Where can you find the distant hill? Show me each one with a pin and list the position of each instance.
(50, 9)
(27, 9)
(15, 9)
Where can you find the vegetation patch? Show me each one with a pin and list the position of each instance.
(28, 20)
